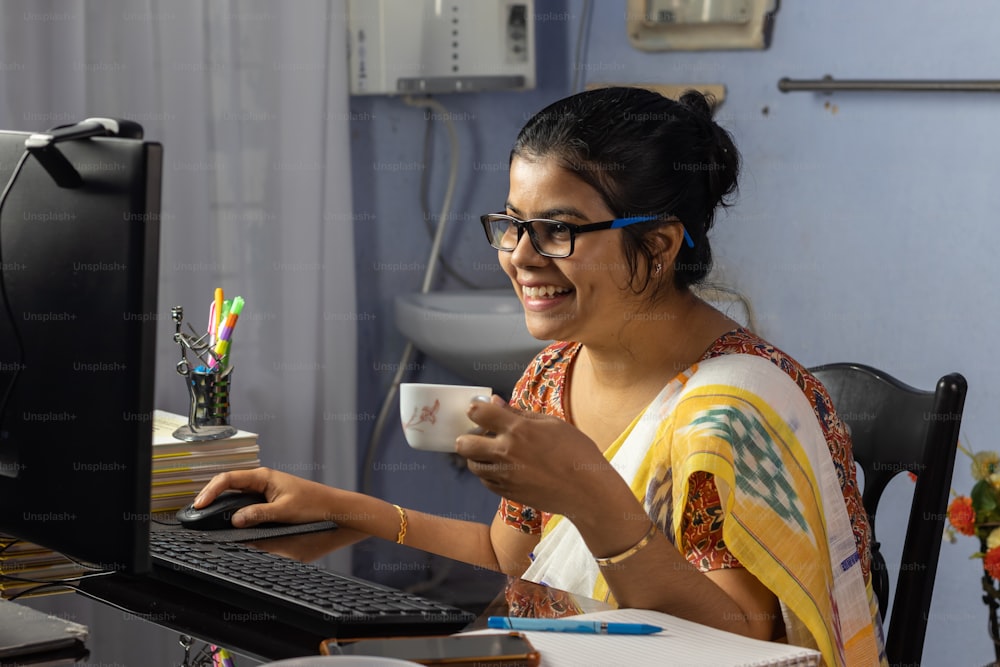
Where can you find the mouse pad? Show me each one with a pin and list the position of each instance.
(249, 534)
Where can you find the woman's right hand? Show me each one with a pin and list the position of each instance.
(290, 499)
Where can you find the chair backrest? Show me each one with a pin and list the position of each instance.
(896, 428)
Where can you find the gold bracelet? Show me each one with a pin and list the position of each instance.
(402, 524)
(628, 553)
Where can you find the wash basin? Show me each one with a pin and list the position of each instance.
(478, 335)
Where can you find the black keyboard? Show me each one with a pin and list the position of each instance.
(268, 586)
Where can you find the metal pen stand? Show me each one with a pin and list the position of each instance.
(208, 385)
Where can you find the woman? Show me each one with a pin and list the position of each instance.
(659, 456)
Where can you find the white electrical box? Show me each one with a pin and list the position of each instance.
(400, 47)
(698, 25)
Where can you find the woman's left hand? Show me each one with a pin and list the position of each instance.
(537, 460)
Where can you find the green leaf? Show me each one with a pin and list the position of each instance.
(984, 498)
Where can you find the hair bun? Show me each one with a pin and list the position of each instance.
(701, 104)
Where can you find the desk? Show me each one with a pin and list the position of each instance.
(479, 591)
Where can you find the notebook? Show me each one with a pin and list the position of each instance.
(681, 643)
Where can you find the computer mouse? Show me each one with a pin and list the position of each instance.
(219, 513)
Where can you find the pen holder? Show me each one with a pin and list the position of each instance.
(208, 413)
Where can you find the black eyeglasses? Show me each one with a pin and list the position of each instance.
(550, 238)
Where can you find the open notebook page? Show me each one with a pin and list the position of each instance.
(681, 643)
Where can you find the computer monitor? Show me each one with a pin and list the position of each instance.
(79, 265)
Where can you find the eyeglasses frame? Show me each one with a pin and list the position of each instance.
(575, 229)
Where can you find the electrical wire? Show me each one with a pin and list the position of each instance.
(8, 545)
(34, 589)
(434, 105)
(68, 582)
(425, 207)
(432, 262)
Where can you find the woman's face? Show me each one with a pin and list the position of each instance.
(583, 297)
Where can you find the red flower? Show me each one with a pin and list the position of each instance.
(991, 562)
(963, 517)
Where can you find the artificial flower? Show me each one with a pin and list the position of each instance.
(991, 563)
(985, 464)
(978, 514)
(962, 515)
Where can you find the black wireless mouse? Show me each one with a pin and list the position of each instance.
(219, 513)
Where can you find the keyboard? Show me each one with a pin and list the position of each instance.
(299, 594)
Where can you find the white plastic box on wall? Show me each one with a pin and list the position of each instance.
(699, 25)
(401, 47)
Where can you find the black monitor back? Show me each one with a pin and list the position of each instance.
(77, 341)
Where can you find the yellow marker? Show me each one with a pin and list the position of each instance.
(218, 312)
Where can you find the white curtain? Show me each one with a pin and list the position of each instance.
(250, 101)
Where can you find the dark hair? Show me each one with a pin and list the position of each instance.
(646, 155)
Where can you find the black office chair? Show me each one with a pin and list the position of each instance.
(896, 428)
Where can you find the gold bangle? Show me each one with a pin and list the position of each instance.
(628, 553)
(402, 524)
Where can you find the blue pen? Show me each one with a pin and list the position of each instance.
(569, 625)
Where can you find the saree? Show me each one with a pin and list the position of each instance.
(741, 419)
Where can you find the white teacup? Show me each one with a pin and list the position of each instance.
(433, 415)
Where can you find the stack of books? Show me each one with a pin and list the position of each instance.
(180, 470)
(23, 565)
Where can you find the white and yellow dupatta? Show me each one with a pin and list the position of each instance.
(742, 419)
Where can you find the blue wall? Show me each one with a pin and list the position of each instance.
(864, 229)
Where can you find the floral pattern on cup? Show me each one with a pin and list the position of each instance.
(428, 414)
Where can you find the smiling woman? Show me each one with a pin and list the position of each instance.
(658, 455)
(638, 343)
